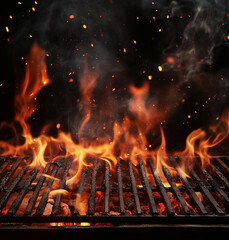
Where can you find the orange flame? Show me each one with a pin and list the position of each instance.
(25, 105)
(198, 145)
(129, 139)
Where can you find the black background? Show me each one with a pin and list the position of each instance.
(57, 102)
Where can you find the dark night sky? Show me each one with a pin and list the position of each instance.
(195, 85)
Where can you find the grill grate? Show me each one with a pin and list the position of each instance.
(127, 195)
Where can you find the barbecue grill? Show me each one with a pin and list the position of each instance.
(92, 97)
(200, 200)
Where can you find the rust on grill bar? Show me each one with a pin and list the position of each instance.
(162, 190)
(146, 183)
(107, 188)
(91, 202)
(120, 188)
(43, 202)
(134, 189)
(199, 199)
(32, 200)
(176, 191)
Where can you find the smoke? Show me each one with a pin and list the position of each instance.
(191, 33)
(205, 31)
(124, 42)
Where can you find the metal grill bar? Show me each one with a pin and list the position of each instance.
(149, 192)
(120, 219)
(16, 204)
(91, 201)
(8, 162)
(134, 189)
(81, 187)
(215, 186)
(176, 191)
(191, 192)
(226, 168)
(32, 200)
(162, 190)
(82, 181)
(56, 205)
(7, 176)
(43, 202)
(18, 181)
(207, 193)
(220, 175)
(120, 188)
(107, 188)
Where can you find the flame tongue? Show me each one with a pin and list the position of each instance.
(128, 140)
(35, 79)
(87, 84)
(25, 105)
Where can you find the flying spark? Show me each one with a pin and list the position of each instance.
(160, 68)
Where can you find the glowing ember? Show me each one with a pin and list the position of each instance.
(170, 60)
(159, 68)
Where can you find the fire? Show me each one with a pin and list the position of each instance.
(198, 144)
(127, 141)
(137, 104)
(25, 105)
(35, 79)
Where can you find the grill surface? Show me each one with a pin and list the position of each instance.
(124, 196)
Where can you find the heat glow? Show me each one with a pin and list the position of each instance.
(129, 138)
